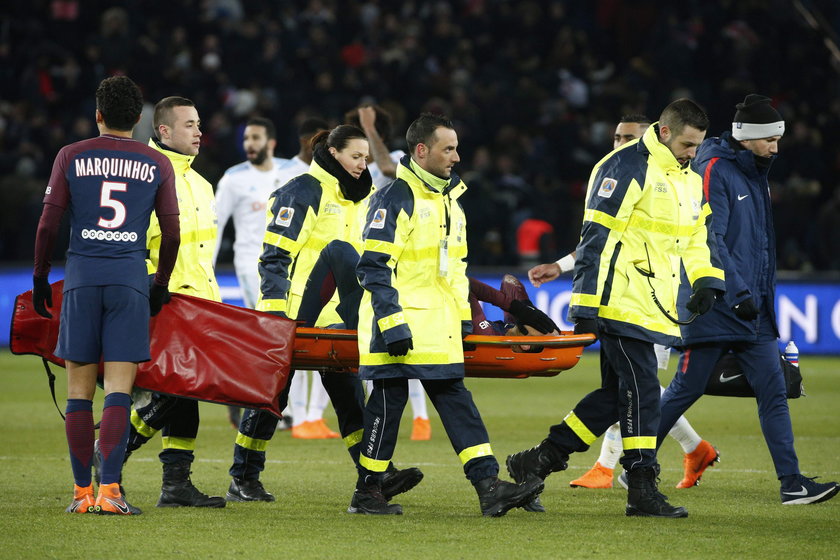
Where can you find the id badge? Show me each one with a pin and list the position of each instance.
(443, 258)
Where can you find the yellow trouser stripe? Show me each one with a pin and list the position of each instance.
(585, 300)
(353, 438)
(373, 465)
(609, 222)
(422, 358)
(142, 428)
(186, 444)
(470, 453)
(639, 442)
(284, 243)
(253, 444)
(272, 305)
(637, 221)
(579, 428)
(391, 321)
(378, 246)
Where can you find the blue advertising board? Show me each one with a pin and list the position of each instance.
(808, 313)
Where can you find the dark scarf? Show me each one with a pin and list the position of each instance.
(761, 163)
(352, 188)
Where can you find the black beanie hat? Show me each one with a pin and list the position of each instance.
(756, 118)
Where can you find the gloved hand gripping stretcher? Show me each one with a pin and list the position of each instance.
(222, 353)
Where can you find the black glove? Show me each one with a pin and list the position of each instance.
(158, 295)
(526, 314)
(400, 347)
(41, 296)
(587, 326)
(746, 310)
(702, 300)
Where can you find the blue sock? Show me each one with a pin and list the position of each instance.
(113, 435)
(78, 425)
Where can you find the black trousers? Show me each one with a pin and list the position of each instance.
(177, 420)
(460, 417)
(629, 394)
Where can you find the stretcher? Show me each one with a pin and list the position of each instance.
(492, 356)
(222, 353)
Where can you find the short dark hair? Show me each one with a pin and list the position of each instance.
(311, 125)
(382, 124)
(120, 102)
(681, 113)
(422, 130)
(163, 111)
(635, 118)
(338, 137)
(270, 130)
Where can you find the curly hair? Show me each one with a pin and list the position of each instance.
(120, 102)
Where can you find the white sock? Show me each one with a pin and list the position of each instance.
(417, 396)
(612, 447)
(685, 435)
(318, 399)
(297, 397)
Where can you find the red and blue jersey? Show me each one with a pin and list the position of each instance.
(110, 185)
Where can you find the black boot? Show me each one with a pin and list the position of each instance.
(496, 496)
(368, 499)
(644, 498)
(539, 461)
(396, 481)
(178, 490)
(251, 490)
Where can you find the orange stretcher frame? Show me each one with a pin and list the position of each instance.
(494, 356)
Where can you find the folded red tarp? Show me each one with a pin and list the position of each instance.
(200, 349)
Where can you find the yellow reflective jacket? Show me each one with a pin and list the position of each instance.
(303, 216)
(645, 217)
(193, 273)
(413, 287)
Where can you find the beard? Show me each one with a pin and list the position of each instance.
(259, 157)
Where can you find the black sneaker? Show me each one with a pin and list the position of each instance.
(370, 501)
(804, 490)
(396, 481)
(644, 498)
(496, 496)
(242, 490)
(539, 461)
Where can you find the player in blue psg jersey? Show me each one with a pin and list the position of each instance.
(110, 185)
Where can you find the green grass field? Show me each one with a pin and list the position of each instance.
(736, 513)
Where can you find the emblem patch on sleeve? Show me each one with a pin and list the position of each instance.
(284, 216)
(379, 219)
(607, 187)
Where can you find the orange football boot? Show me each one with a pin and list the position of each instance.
(421, 430)
(83, 501)
(696, 462)
(110, 501)
(598, 476)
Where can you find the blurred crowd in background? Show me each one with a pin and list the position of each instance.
(535, 88)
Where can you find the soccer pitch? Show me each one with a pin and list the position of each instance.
(735, 513)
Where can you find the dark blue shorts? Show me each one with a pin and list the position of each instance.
(107, 322)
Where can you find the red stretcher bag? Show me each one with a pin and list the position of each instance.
(200, 349)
